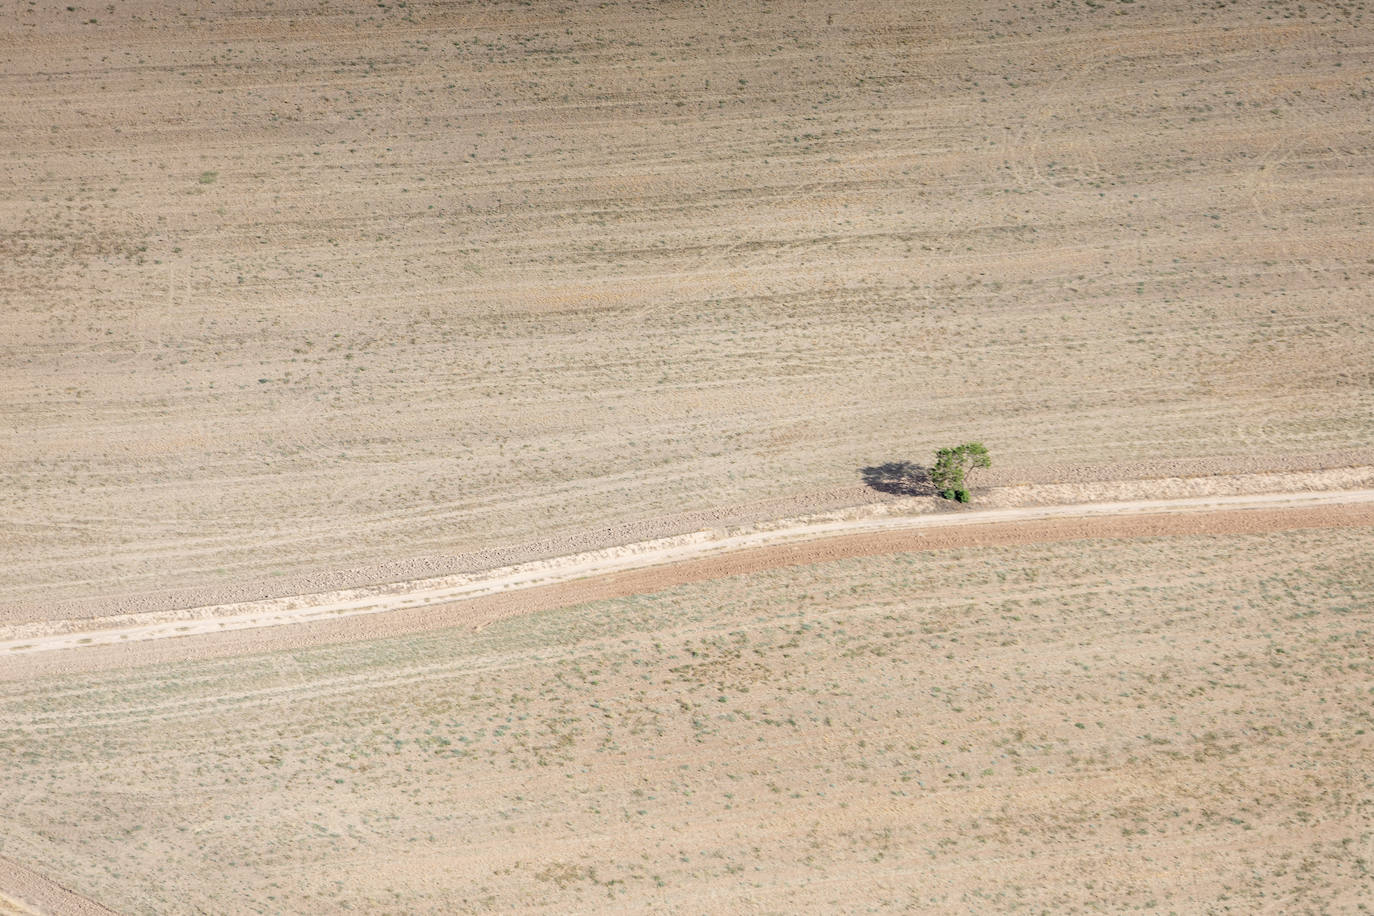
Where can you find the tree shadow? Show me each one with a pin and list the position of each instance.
(900, 478)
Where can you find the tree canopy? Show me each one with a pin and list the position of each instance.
(951, 464)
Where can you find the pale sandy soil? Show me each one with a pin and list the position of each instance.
(307, 286)
(1178, 723)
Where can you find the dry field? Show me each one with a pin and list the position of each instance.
(1173, 724)
(293, 285)
(301, 294)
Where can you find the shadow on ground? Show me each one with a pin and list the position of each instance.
(900, 478)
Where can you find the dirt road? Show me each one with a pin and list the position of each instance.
(25, 892)
(456, 600)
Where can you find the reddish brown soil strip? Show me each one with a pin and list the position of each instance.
(481, 611)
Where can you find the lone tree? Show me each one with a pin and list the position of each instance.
(952, 463)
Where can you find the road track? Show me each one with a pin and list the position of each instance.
(25, 892)
(702, 554)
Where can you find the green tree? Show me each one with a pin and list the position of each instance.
(951, 464)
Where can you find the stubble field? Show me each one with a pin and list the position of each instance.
(300, 286)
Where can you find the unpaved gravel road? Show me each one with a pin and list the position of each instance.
(1131, 518)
